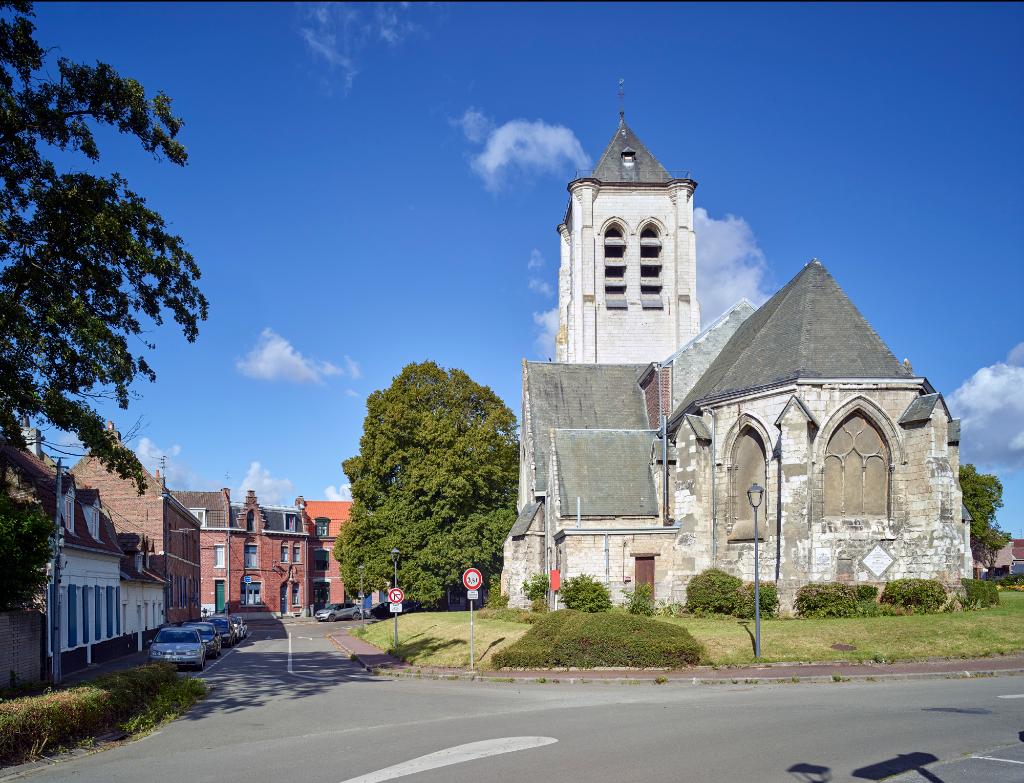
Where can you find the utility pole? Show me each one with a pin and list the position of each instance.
(55, 604)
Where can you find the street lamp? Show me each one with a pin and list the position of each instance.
(361, 567)
(755, 494)
(394, 559)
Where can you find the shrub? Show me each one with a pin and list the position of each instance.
(867, 593)
(585, 640)
(539, 605)
(714, 592)
(979, 593)
(536, 587)
(585, 594)
(506, 614)
(915, 595)
(496, 600)
(641, 601)
(826, 599)
(1011, 580)
(34, 724)
(769, 600)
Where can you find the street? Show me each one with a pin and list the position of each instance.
(313, 715)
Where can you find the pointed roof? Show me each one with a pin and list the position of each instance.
(809, 329)
(645, 168)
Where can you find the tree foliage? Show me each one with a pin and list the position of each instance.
(435, 477)
(24, 550)
(86, 267)
(983, 496)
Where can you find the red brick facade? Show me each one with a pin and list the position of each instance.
(654, 379)
(325, 519)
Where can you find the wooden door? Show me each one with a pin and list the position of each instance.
(218, 600)
(644, 571)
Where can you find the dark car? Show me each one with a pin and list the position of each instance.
(209, 634)
(226, 629)
(382, 610)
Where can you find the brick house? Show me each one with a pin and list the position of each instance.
(325, 519)
(166, 523)
(254, 557)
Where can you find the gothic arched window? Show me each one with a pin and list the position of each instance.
(615, 268)
(748, 467)
(650, 268)
(856, 470)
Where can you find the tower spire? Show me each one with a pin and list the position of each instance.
(622, 99)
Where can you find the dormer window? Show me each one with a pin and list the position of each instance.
(92, 520)
(628, 157)
(138, 561)
(249, 521)
(650, 269)
(290, 522)
(200, 514)
(614, 268)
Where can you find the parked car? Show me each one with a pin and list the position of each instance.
(333, 612)
(181, 646)
(241, 629)
(226, 629)
(209, 634)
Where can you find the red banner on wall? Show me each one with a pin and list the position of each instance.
(556, 579)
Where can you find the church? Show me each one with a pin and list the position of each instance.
(639, 443)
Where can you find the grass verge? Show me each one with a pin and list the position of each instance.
(442, 638)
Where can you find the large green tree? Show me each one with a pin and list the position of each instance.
(24, 549)
(983, 496)
(435, 477)
(87, 269)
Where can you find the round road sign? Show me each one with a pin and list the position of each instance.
(395, 595)
(472, 578)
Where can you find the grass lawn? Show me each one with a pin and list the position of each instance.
(442, 638)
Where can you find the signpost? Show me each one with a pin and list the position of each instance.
(472, 579)
(396, 596)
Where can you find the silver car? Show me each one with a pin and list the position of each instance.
(333, 612)
(180, 646)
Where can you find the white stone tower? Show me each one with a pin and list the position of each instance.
(627, 282)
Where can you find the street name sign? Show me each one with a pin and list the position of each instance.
(472, 578)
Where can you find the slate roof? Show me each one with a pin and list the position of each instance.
(645, 168)
(525, 519)
(609, 470)
(920, 409)
(809, 329)
(954, 431)
(580, 396)
(272, 520)
(700, 427)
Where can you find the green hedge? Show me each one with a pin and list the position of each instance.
(585, 594)
(585, 640)
(826, 599)
(33, 725)
(915, 595)
(1010, 580)
(979, 593)
(769, 601)
(713, 592)
(867, 593)
(536, 587)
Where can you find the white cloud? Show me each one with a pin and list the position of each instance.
(344, 492)
(730, 264)
(352, 368)
(274, 358)
(991, 407)
(521, 146)
(268, 489)
(536, 259)
(352, 393)
(177, 472)
(547, 325)
(542, 287)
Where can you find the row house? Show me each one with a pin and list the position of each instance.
(325, 519)
(166, 524)
(86, 608)
(255, 557)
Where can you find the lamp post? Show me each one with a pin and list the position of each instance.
(362, 567)
(394, 559)
(755, 494)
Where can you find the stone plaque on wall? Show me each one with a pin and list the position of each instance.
(877, 560)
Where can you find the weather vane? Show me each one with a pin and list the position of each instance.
(622, 98)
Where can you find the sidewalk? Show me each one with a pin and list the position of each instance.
(377, 661)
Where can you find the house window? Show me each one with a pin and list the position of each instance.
(614, 268)
(251, 593)
(218, 556)
(85, 615)
(320, 559)
(748, 467)
(250, 556)
(284, 553)
(92, 521)
(295, 594)
(72, 595)
(323, 527)
(69, 510)
(856, 470)
(96, 601)
(249, 521)
(200, 514)
(138, 561)
(290, 523)
(650, 268)
(296, 554)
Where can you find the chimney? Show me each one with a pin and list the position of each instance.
(33, 438)
(300, 503)
(113, 431)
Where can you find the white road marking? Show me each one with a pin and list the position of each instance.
(294, 673)
(456, 755)
(1012, 696)
(993, 758)
(221, 658)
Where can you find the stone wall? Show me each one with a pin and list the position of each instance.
(22, 646)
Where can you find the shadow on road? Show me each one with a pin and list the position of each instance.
(903, 762)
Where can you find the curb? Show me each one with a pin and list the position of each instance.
(558, 677)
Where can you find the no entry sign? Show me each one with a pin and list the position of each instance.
(395, 595)
(472, 579)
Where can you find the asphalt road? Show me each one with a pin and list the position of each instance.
(311, 715)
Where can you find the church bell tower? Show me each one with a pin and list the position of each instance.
(627, 281)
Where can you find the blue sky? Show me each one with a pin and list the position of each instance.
(373, 185)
